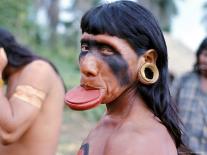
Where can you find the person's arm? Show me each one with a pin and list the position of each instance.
(19, 111)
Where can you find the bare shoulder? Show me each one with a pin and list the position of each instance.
(133, 141)
(38, 74)
(39, 66)
(128, 143)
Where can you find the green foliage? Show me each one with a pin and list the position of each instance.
(14, 16)
(169, 9)
(95, 2)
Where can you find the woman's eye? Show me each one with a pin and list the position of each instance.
(84, 48)
(107, 51)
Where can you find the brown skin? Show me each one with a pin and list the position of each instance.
(24, 128)
(128, 127)
(203, 69)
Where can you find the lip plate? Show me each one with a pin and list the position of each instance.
(81, 99)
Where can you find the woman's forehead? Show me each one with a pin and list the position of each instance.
(117, 43)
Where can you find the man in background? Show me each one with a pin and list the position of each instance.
(190, 93)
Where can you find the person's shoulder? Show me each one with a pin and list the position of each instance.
(145, 142)
(133, 143)
(39, 66)
(39, 69)
(127, 143)
(38, 74)
(188, 75)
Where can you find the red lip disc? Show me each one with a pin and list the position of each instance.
(80, 98)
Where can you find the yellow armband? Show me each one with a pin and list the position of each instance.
(30, 95)
(1, 83)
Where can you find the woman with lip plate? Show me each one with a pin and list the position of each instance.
(123, 64)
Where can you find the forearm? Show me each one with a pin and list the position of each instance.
(12, 125)
(9, 126)
(6, 118)
(6, 114)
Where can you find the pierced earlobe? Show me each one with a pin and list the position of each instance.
(148, 73)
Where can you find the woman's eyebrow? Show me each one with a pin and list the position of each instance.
(84, 41)
(88, 41)
(98, 43)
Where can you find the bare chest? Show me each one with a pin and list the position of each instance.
(97, 139)
(94, 144)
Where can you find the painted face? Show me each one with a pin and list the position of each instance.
(203, 63)
(107, 63)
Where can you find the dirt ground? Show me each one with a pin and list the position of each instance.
(74, 129)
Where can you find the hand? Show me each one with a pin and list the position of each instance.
(3, 60)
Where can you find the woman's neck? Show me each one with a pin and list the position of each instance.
(126, 103)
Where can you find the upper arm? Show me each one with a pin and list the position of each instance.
(37, 75)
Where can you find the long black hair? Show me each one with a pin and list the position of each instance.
(17, 54)
(202, 46)
(135, 24)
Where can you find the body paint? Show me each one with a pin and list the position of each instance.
(117, 64)
(119, 68)
(84, 150)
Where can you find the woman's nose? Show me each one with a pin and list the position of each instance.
(88, 66)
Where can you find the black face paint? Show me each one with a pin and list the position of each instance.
(82, 54)
(117, 64)
(84, 150)
(119, 68)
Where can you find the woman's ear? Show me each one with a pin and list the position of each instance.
(150, 56)
(148, 72)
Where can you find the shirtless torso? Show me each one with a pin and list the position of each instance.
(129, 134)
(25, 128)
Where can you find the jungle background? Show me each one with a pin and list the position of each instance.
(51, 29)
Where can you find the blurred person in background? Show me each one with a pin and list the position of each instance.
(190, 93)
(31, 104)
